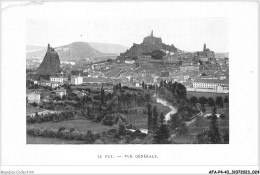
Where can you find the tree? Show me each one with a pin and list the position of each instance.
(203, 109)
(219, 101)
(214, 134)
(161, 83)
(175, 121)
(226, 100)
(162, 134)
(155, 118)
(226, 137)
(158, 54)
(203, 100)
(143, 84)
(180, 91)
(193, 100)
(102, 93)
(162, 118)
(121, 128)
(34, 104)
(211, 101)
(150, 117)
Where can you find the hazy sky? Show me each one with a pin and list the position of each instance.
(186, 33)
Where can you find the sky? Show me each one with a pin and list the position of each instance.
(185, 33)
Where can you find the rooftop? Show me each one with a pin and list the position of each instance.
(225, 81)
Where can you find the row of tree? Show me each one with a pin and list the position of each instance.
(210, 101)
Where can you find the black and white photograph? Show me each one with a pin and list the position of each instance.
(140, 88)
(131, 87)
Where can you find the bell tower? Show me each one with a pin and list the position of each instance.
(204, 47)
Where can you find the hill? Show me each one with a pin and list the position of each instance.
(72, 52)
(149, 45)
(50, 64)
(108, 48)
(32, 48)
(222, 55)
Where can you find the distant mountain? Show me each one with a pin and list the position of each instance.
(73, 52)
(108, 48)
(222, 54)
(31, 48)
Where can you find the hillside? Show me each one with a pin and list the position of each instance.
(108, 48)
(50, 64)
(222, 55)
(32, 48)
(148, 46)
(72, 52)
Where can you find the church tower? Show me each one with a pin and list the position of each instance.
(151, 34)
(204, 47)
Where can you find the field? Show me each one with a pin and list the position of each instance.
(44, 140)
(139, 120)
(79, 125)
(205, 94)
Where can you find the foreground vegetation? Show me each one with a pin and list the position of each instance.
(120, 116)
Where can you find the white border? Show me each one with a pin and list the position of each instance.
(243, 147)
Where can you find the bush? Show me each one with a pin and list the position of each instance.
(53, 133)
(30, 120)
(76, 135)
(112, 132)
(136, 141)
(65, 134)
(112, 119)
(98, 141)
(41, 132)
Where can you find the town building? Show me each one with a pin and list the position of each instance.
(129, 61)
(189, 68)
(32, 97)
(206, 53)
(97, 81)
(32, 111)
(210, 85)
(60, 92)
(60, 79)
(187, 63)
(171, 59)
(77, 80)
(204, 59)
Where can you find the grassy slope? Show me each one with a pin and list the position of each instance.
(44, 140)
(79, 125)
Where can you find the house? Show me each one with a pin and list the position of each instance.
(60, 92)
(187, 63)
(204, 59)
(98, 81)
(79, 93)
(211, 84)
(171, 58)
(189, 68)
(33, 97)
(32, 111)
(129, 61)
(55, 84)
(60, 79)
(77, 80)
(45, 83)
